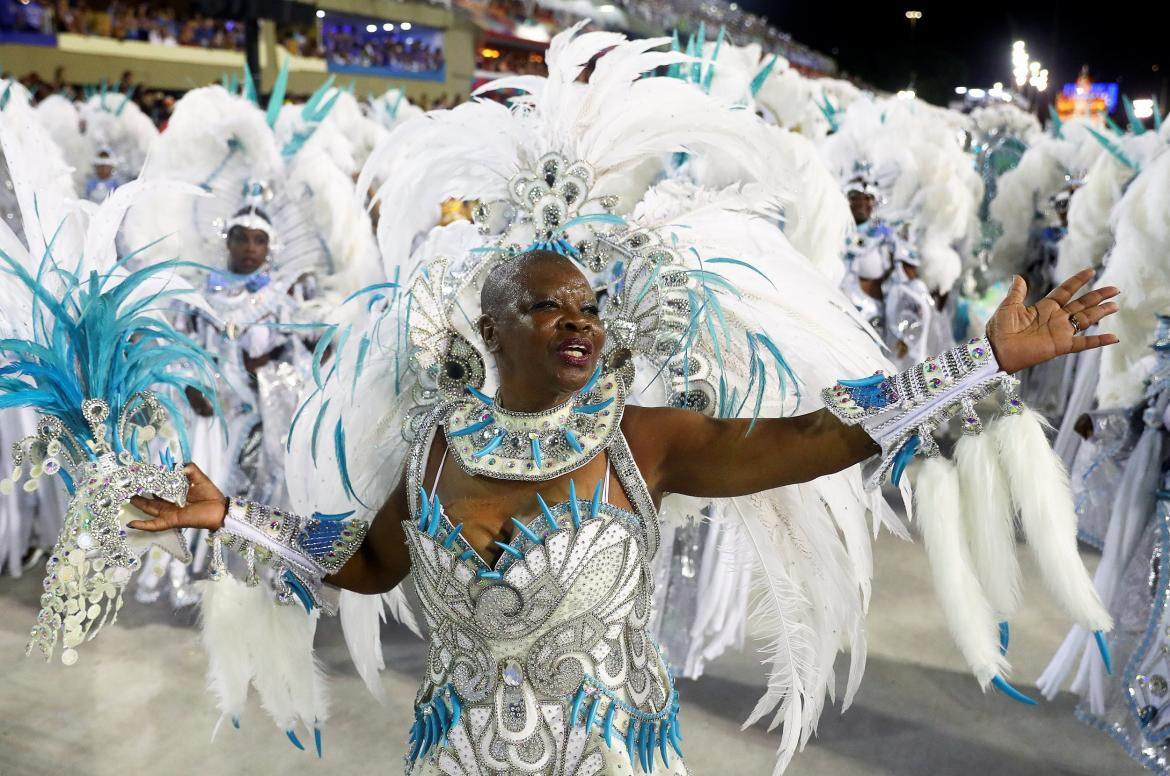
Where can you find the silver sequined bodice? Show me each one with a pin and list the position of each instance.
(542, 663)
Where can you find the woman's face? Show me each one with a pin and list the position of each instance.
(550, 335)
(247, 249)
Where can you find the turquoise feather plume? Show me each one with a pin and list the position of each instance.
(93, 340)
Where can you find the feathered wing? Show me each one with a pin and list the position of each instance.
(62, 122)
(754, 347)
(114, 121)
(1046, 166)
(1137, 263)
(1093, 206)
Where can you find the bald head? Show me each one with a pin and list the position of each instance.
(505, 283)
(542, 324)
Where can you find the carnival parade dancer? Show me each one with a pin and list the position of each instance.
(881, 275)
(541, 321)
(528, 518)
(271, 238)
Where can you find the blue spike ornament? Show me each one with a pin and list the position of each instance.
(574, 507)
(549, 518)
(531, 535)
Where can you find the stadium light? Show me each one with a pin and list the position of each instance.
(388, 27)
(320, 14)
(405, 26)
(960, 90)
(371, 28)
(1143, 109)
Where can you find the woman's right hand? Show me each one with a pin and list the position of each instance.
(206, 506)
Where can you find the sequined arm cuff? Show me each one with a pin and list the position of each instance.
(301, 551)
(899, 412)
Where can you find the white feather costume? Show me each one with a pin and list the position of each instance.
(392, 108)
(1048, 164)
(115, 123)
(917, 151)
(29, 521)
(1132, 389)
(1090, 228)
(796, 534)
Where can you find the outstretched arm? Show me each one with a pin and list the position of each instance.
(680, 451)
(683, 452)
(380, 562)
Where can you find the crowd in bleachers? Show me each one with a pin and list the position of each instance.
(147, 22)
(414, 55)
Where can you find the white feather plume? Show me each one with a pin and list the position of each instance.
(968, 613)
(989, 521)
(226, 609)
(249, 639)
(1039, 486)
(1140, 264)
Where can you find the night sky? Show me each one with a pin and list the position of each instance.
(969, 43)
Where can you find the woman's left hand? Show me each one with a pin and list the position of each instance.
(1023, 336)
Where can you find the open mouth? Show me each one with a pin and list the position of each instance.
(576, 351)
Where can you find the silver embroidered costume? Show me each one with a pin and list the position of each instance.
(542, 663)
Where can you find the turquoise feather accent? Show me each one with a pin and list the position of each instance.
(480, 426)
(296, 418)
(574, 507)
(762, 77)
(1135, 124)
(90, 341)
(317, 430)
(590, 409)
(1112, 148)
(528, 532)
(714, 56)
(553, 525)
(342, 462)
(585, 389)
(492, 444)
(863, 382)
(126, 100)
(741, 263)
(250, 85)
(515, 553)
(276, 99)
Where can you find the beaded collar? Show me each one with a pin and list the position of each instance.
(492, 441)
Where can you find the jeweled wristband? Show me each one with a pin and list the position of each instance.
(899, 412)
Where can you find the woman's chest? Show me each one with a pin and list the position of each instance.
(576, 559)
